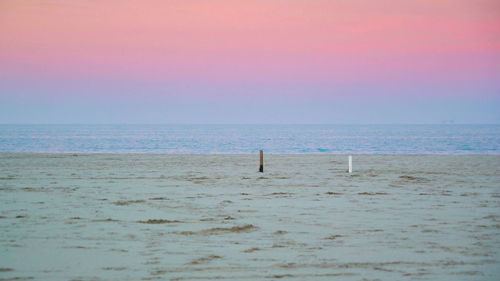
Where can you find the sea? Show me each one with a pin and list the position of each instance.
(245, 139)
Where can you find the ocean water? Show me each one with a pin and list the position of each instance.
(287, 139)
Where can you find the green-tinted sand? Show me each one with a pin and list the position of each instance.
(203, 217)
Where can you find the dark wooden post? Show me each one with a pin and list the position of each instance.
(261, 168)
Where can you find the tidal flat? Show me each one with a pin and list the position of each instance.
(214, 216)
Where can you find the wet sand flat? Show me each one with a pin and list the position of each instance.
(206, 217)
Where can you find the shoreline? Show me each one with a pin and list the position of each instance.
(249, 154)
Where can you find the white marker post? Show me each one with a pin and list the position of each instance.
(350, 164)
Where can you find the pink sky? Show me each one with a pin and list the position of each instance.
(330, 45)
(252, 40)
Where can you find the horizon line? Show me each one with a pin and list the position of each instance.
(254, 124)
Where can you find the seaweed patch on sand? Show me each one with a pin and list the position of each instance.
(222, 230)
(333, 237)
(251, 250)
(4, 269)
(414, 179)
(203, 260)
(105, 220)
(373, 193)
(159, 221)
(128, 202)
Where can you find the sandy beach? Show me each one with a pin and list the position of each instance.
(205, 217)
